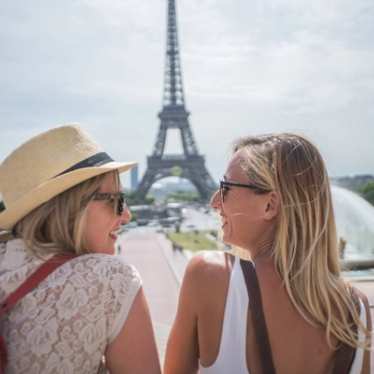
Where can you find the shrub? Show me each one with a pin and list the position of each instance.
(367, 191)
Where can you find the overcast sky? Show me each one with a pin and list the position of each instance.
(249, 67)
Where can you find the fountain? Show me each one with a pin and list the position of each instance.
(355, 225)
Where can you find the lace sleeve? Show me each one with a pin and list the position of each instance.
(124, 283)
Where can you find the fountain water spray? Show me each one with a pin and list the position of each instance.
(355, 223)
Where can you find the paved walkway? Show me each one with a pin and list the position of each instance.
(151, 254)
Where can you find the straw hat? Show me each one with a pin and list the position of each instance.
(45, 166)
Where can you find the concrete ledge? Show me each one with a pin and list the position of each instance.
(357, 264)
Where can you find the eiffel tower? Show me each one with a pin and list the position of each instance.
(190, 164)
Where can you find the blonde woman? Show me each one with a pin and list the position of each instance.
(275, 204)
(62, 195)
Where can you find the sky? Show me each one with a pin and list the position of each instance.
(249, 67)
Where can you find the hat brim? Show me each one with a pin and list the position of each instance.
(53, 187)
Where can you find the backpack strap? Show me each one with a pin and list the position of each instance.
(258, 318)
(345, 354)
(28, 285)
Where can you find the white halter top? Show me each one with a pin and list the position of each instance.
(232, 350)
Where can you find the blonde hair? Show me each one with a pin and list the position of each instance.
(305, 248)
(58, 225)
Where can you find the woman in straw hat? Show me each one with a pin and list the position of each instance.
(61, 197)
(287, 310)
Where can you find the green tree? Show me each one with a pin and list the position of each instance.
(367, 191)
(176, 171)
(132, 199)
(185, 196)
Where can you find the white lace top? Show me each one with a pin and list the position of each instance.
(65, 324)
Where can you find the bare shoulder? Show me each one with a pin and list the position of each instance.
(208, 263)
(208, 270)
(362, 296)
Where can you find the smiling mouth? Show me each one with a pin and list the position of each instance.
(114, 234)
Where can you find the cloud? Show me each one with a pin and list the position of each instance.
(248, 67)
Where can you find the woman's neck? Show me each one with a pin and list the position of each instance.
(263, 249)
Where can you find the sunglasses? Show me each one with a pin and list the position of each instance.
(117, 200)
(224, 187)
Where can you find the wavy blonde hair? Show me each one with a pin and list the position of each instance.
(305, 249)
(58, 225)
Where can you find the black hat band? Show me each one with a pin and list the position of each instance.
(96, 160)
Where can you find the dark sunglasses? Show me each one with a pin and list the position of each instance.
(117, 200)
(224, 187)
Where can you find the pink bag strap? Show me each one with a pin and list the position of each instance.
(33, 280)
(28, 285)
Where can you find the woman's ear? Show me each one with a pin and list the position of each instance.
(272, 206)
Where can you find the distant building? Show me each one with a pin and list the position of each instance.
(165, 215)
(134, 178)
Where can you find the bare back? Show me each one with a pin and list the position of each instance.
(297, 346)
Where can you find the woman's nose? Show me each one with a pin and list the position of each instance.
(215, 200)
(125, 216)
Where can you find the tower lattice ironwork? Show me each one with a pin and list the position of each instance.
(190, 164)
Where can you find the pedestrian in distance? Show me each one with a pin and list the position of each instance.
(286, 309)
(62, 209)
